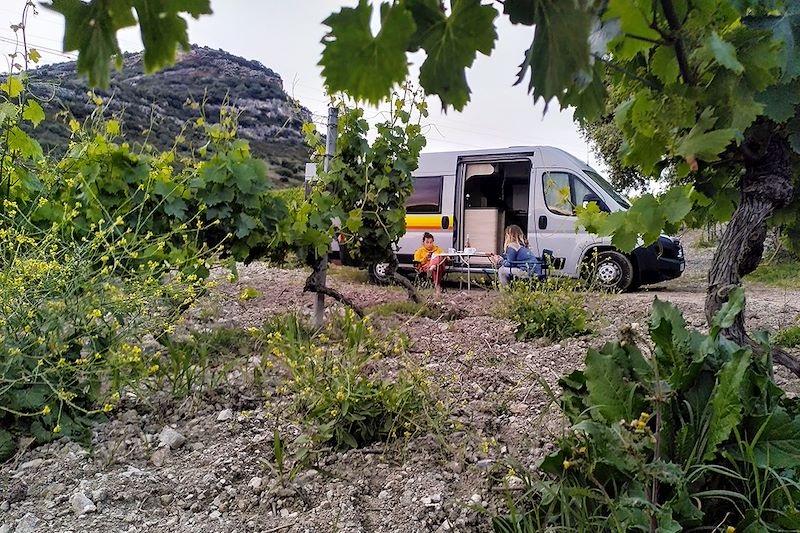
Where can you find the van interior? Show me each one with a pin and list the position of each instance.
(496, 195)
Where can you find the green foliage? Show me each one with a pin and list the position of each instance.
(73, 317)
(548, 309)
(370, 67)
(789, 337)
(354, 59)
(217, 200)
(201, 361)
(91, 29)
(361, 199)
(337, 384)
(660, 440)
(784, 274)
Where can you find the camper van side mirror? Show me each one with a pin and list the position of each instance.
(592, 197)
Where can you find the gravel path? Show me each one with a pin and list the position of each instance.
(216, 474)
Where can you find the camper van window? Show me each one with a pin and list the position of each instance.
(557, 194)
(606, 186)
(427, 195)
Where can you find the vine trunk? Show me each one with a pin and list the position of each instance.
(765, 186)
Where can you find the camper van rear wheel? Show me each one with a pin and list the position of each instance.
(613, 271)
(379, 273)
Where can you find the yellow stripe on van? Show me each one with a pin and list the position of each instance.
(427, 223)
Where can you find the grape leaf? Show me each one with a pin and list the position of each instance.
(521, 11)
(12, 87)
(704, 143)
(676, 203)
(664, 65)
(91, 29)
(451, 43)
(560, 48)
(724, 53)
(785, 28)
(633, 23)
(363, 65)
(163, 29)
(33, 112)
(780, 101)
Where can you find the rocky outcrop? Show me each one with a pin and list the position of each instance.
(156, 107)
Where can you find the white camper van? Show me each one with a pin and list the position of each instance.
(478, 193)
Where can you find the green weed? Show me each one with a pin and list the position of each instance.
(789, 337)
(202, 361)
(335, 380)
(406, 307)
(784, 274)
(690, 437)
(550, 309)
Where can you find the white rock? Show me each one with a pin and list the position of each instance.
(446, 526)
(100, 494)
(485, 463)
(384, 494)
(214, 515)
(81, 504)
(476, 499)
(436, 498)
(514, 483)
(256, 484)
(224, 415)
(5, 528)
(170, 437)
(27, 524)
(35, 463)
(284, 513)
(160, 456)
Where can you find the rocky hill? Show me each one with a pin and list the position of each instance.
(155, 107)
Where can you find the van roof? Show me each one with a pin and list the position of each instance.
(444, 163)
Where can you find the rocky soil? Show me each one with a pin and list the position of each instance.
(208, 466)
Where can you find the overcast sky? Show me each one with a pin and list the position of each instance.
(285, 36)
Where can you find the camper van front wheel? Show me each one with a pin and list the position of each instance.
(613, 271)
(379, 273)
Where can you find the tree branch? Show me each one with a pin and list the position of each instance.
(314, 283)
(680, 51)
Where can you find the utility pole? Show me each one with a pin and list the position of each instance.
(330, 150)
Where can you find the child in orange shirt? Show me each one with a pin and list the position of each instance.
(433, 266)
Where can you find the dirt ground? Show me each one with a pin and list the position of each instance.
(221, 479)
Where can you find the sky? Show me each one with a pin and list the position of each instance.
(285, 35)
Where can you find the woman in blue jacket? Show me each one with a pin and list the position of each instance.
(518, 260)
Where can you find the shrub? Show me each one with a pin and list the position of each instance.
(73, 316)
(336, 383)
(789, 337)
(549, 309)
(697, 436)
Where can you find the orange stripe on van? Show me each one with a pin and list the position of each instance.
(427, 223)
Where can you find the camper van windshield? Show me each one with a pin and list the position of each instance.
(606, 186)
